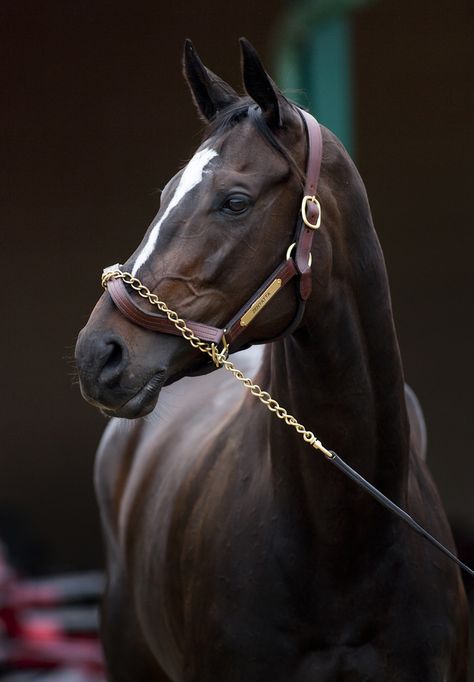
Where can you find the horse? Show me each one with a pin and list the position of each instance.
(235, 551)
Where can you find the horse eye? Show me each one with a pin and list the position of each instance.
(238, 203)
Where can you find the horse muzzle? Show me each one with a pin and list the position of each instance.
(108, 380)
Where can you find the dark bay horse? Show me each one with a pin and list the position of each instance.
(236, 553)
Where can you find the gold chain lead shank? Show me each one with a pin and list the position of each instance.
(219, 357)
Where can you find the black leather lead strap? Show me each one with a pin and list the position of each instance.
(391, 506)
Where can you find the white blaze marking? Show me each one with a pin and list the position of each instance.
(192, 176)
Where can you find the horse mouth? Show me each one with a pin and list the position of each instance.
(141, 403)
(144, 400)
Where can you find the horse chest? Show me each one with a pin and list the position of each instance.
(229, 597)
(225, 583)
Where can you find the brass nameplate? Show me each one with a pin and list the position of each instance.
(260, 303)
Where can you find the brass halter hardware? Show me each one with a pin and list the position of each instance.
(218, 356)
(304, 203)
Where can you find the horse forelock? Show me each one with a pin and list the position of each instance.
(247, 109)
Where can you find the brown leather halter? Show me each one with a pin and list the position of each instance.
(309, 220)
(297, 262)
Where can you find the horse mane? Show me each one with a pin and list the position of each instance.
(246, 108)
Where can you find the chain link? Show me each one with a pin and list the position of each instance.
(218, 357)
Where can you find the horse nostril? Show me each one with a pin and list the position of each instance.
(116, 355)
(114, 361)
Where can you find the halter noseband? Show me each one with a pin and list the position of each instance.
(298, 262)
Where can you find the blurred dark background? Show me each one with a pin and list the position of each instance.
(95, 116)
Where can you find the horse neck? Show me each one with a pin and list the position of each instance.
(340, 373)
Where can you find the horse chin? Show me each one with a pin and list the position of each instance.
(140, 404)
(144, 400)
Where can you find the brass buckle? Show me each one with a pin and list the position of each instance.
(218, 356)
(303, 211)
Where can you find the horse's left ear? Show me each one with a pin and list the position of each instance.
(210, 93)
(260, 86)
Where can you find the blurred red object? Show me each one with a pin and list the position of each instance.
(50, 624)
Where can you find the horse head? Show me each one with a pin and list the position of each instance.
(225, 222)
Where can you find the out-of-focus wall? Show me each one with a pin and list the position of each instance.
(414, 105)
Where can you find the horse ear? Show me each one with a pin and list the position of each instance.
(210, 93)
(260, 86)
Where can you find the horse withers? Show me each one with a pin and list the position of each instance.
(235, 552)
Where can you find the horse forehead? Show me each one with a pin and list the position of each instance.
(243, 146)
(193, 172)
(218, 164)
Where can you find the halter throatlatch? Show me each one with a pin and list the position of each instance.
(207, 339)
